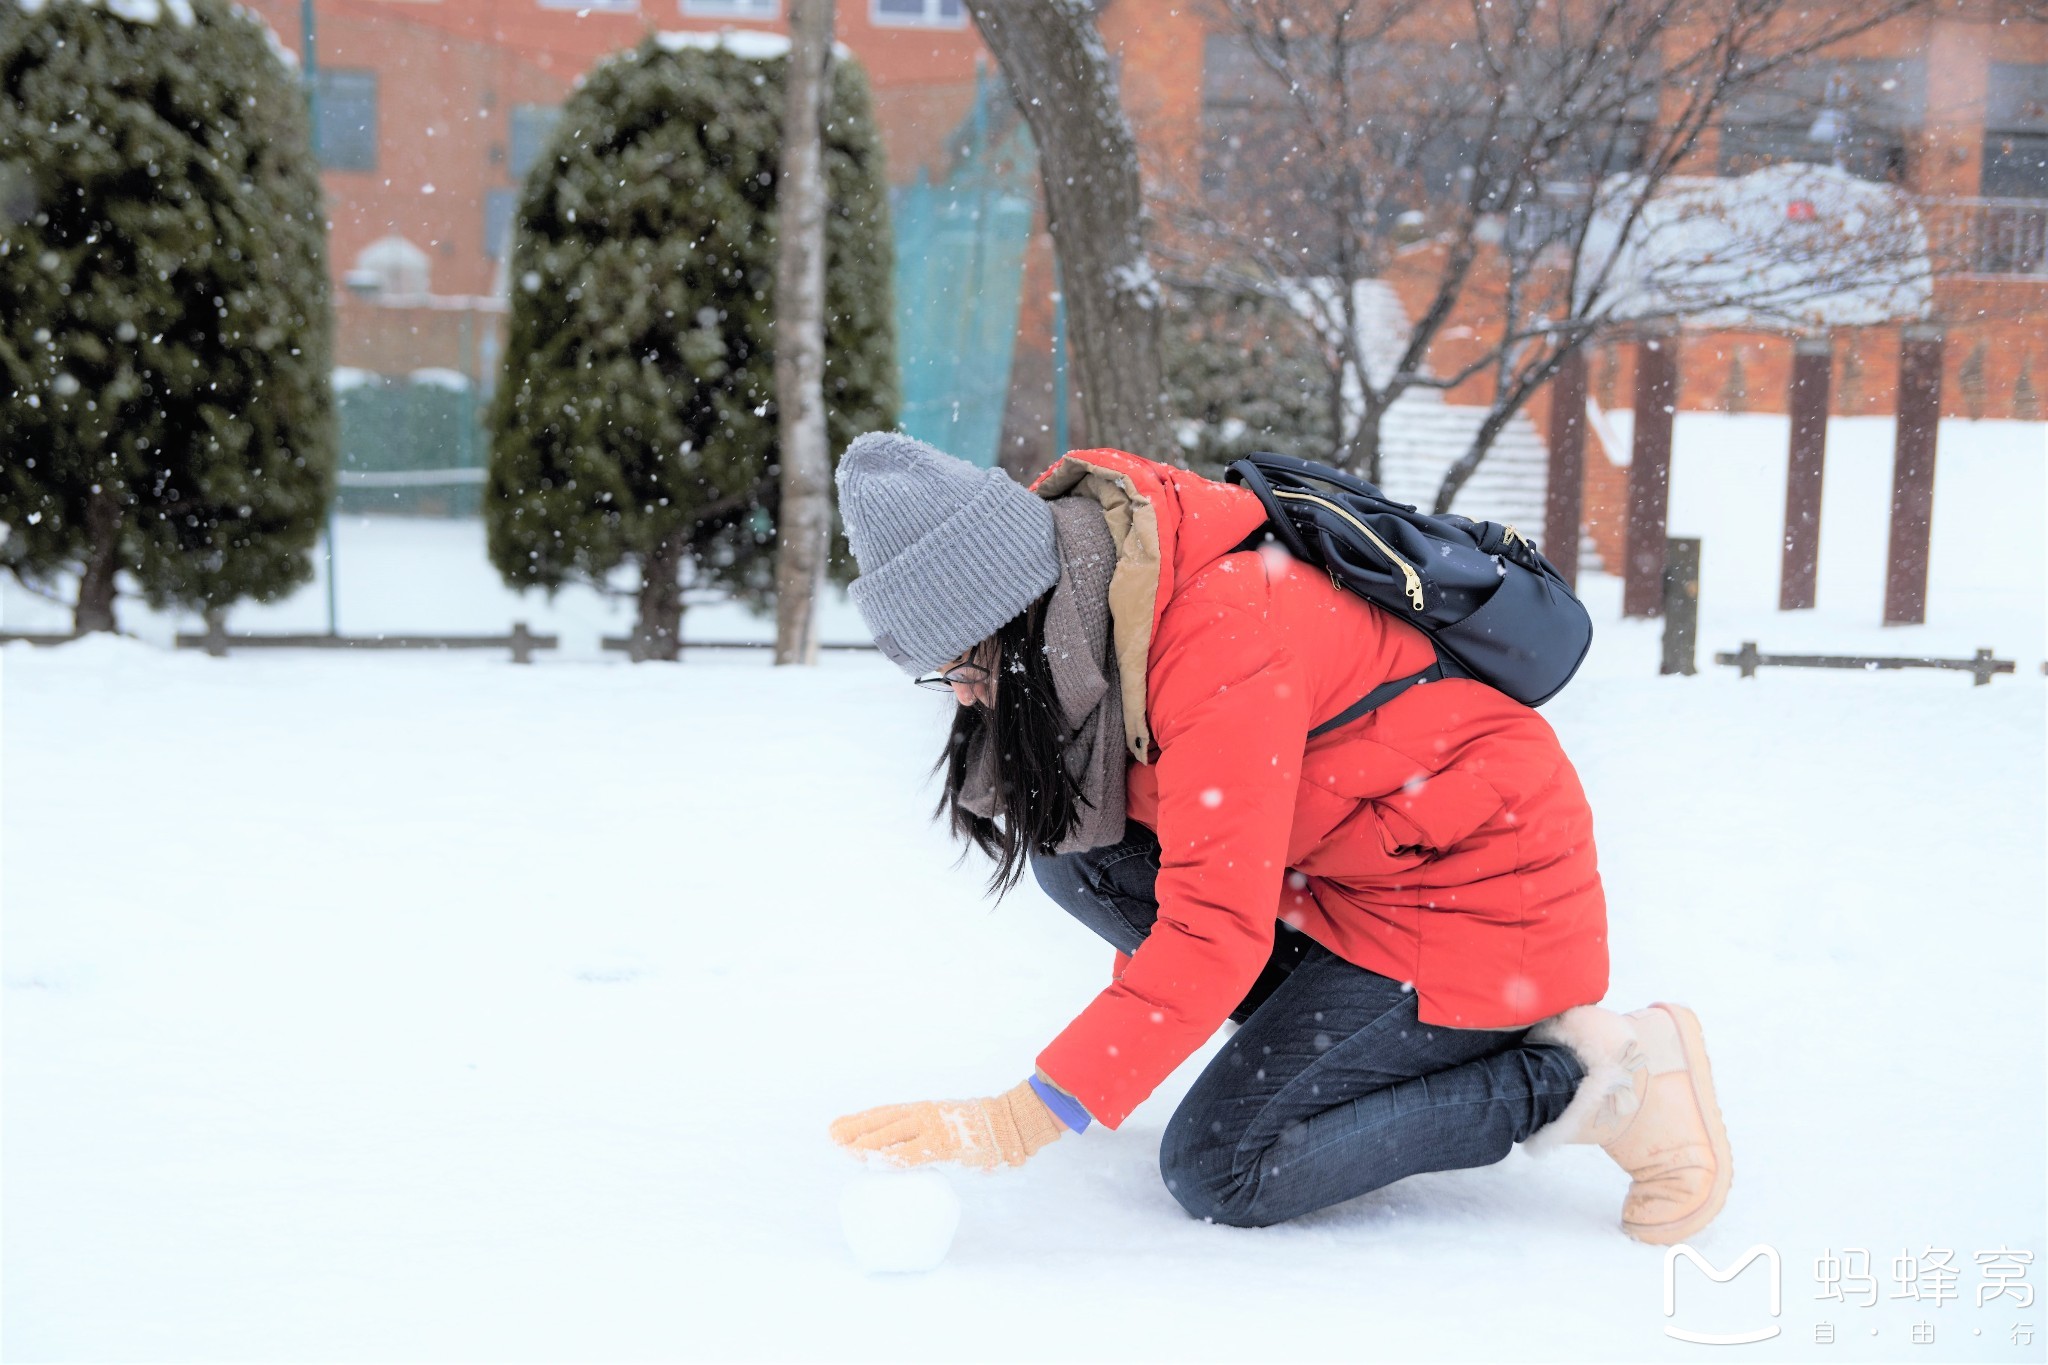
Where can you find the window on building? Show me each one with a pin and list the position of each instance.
(603, 6)
(732, 9)
(532, 126)
(1860, 114)
(917, 13)
(500, 208)
(2016, 132)
(346, 138)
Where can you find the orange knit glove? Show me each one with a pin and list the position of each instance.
(1003, 1130)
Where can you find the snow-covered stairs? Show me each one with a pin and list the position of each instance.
(1422, 435)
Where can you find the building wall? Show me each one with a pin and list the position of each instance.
(449, 75)
(1997, 325)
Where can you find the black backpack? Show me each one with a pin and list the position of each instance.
(1497, 610)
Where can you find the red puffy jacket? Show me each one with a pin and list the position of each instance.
(1442, 839)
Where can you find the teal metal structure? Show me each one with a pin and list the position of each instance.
(959, 280)
(410, 447)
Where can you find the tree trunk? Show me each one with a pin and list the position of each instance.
(1565, 477)
(1649, 475)
(95, 610)
(1364, 452)
(1343, 449)
(1505, 405)
(658, 633)
(804, 520)
(1053, 60)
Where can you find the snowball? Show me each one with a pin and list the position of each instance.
(899, 1221)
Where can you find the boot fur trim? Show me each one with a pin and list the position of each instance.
(1601, 1040)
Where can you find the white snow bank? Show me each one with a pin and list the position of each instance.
(430, 1008)
(750, 43)
(1786, 246)
(455, 381)
(1988, 584)
(426, 1007)
(403, 575)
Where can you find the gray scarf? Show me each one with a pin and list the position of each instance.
(1077, 642)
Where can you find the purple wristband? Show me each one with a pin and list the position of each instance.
(1064, 1106)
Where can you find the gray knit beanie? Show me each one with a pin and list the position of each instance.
(948, 551)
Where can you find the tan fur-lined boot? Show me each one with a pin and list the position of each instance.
(1648, 1099)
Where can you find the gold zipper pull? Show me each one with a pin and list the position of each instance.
(1414, 580)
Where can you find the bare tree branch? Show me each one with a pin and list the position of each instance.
(1362, 132)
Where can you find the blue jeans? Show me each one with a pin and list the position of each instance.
(1331, 1086)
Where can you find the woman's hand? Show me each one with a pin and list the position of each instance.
(1003, 1130)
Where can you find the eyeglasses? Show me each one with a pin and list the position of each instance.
(965, 675)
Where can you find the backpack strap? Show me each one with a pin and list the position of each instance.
(1386, 692)
(1278, 524)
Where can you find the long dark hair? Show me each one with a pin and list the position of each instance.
(1037, 802)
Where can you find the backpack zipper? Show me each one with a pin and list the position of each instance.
(1407, 569)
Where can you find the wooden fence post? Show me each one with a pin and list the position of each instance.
(1681, 606)
(1649, 474)
(1561, 503)
(1812, 368)
(1919, 421)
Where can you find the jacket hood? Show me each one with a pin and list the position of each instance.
(1168, 524)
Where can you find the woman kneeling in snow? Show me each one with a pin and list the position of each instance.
(1403, 915)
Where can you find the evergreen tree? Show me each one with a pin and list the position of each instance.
(635, 420)
(165, 318)
(1243, 373)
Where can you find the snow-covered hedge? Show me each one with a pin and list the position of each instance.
(1794, 246)
(635, 421)
(165, 317)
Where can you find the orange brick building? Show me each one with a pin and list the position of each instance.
(1960, 102)
(433, 109)
(431, 112)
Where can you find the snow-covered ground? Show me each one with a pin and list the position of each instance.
(429, 1008)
